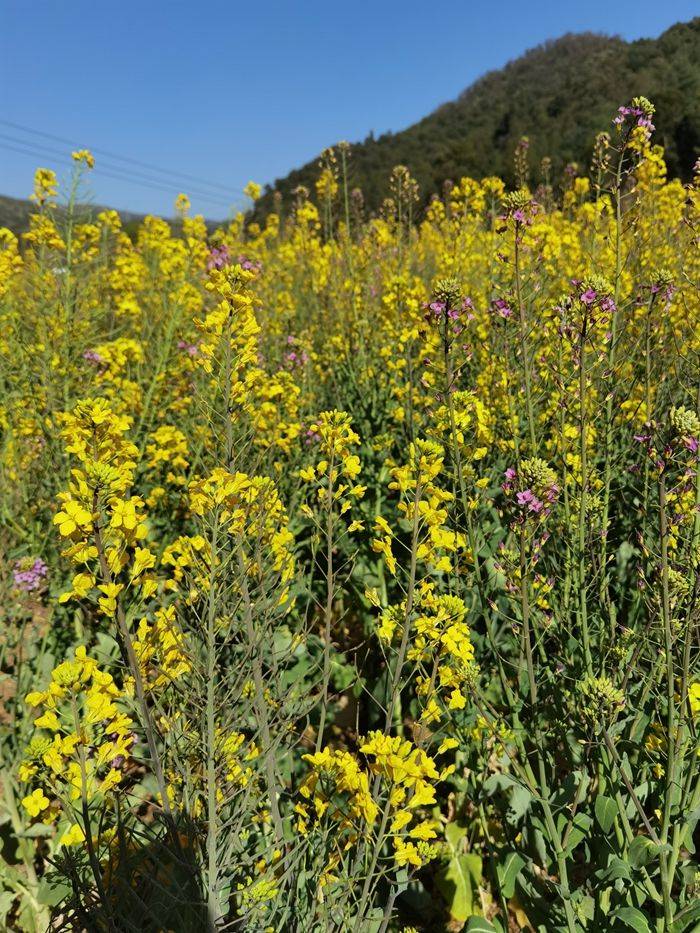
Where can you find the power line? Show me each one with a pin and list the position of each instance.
(37, 152)
(226, 189)
(41, 151)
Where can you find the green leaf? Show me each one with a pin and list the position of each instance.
(474, 867)
(642, 851)
(691, 821)
(35, 831)
(373, 919)
(457, 882)
(480, 925)
(683, 920)
(585, 907)
(633, 918)
(454, 833)
(401, 881)
(520, 801)
(343, 675)
(616, 868)
(508, 872)
(52, 891)
(574, 785)
(579, 830)
(458, 879)
(605, 812)
(7, 899)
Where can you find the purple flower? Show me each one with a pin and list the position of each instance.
(297, 359)
(529, 499)
(250, 265)
(311, 437)
(29, 575)
(191, 348)
(92, 356)
(218, 257)
(510, 477)
(501, 307)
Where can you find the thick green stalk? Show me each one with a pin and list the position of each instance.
(328, 612)
(609, 404)
(524, 351)
(215, 913)
(670, 789)
(261, 704)
(583, 503)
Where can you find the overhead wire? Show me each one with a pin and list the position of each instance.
(40, 152)
(226, 189)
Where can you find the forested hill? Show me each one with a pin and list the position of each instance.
(14, 214)
(559, 95)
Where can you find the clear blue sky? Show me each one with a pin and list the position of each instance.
(230, 91)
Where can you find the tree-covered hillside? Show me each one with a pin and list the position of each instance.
(559, 95)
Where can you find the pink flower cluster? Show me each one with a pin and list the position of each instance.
(501, 307)
(438, 311)
(604, 302)
(640, 118)
(311, 437)
(250, 265)
(529, 501)
(219, 257)
(292, 358)
(29, 576)
(190, 348)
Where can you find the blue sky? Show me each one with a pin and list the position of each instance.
(227, 92)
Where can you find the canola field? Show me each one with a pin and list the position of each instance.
(350, 565)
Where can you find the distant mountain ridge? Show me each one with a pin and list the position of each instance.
(14, 213)
(559, 95)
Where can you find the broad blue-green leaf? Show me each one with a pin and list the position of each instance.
(52, 891)
(585, 907)
(454, 833)
(401, 880)
(508, 871)
(605, 812)
(455, 884)
(687, 921)
(35, 831)
(579, 830)
(373, 920)
(642, 851)
(7, 899)
(480, 925)
(520, 801)
(616, 868)
(632, 918)
(461, 876)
